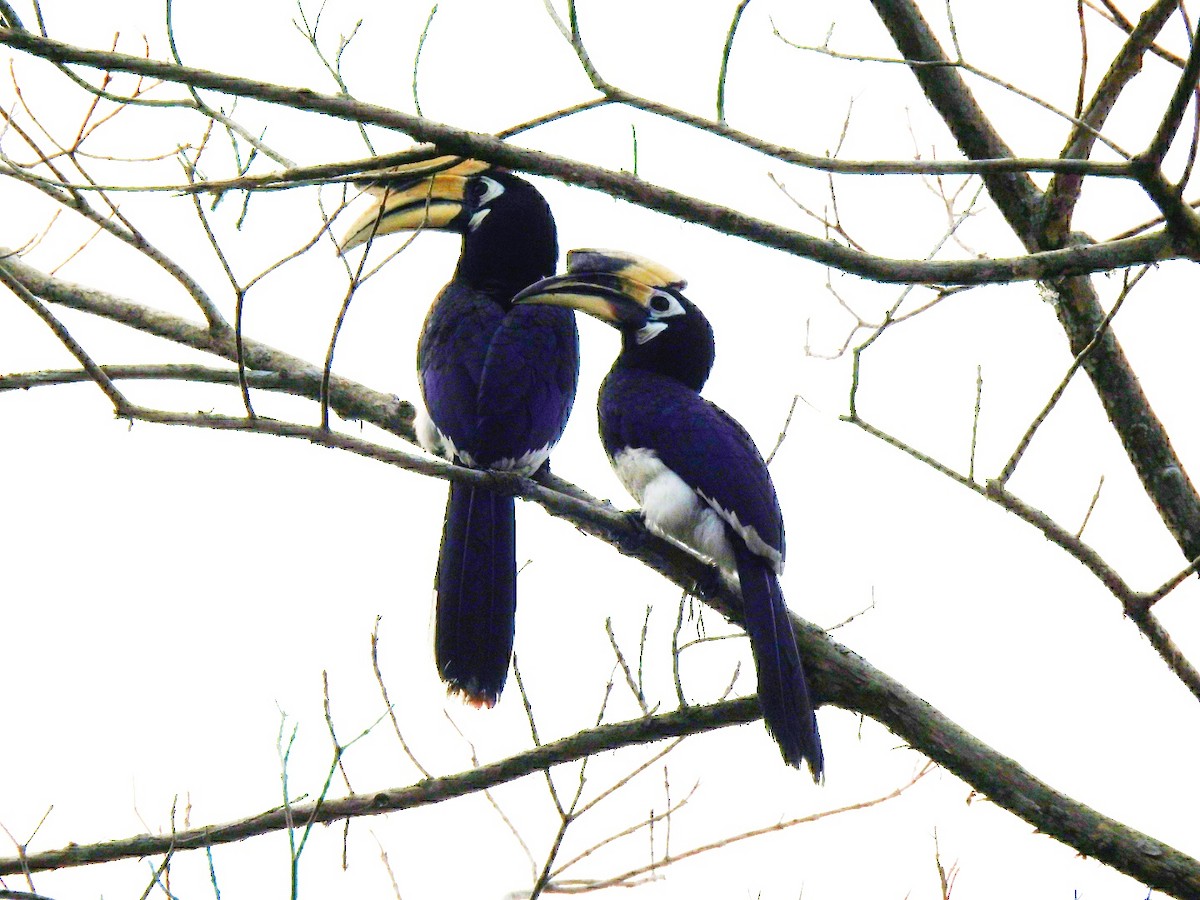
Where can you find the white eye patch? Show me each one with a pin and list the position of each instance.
(663, 306)
(649, 331)
(492, 190)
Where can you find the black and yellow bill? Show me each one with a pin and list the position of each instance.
(611, 285)
(627, 265)
(425, 194)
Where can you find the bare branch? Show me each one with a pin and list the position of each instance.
(417, 58)
(1064, 190)
(1134, 604)
(1173, 116)
(94, 372)
(297, 376)
(724, 72)
(1161, 471)
(1073, 260)
(1023, 444)
(838, 676)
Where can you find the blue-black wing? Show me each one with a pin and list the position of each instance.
(528, 386)
(697, 440)
(498, 384)
(451, 354)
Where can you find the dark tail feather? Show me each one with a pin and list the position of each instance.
(476, 593)
(782, 690)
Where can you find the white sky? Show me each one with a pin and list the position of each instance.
(168, 592)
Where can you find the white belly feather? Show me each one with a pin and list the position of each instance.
(676, 511)
(437, 442)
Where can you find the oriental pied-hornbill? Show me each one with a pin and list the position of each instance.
(498, 382)
(697, 474)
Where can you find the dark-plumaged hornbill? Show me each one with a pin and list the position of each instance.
(498, 382)
(697, 474)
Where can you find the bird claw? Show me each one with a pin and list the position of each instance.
(710, 584)
(636, 519)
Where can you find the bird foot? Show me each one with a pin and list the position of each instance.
(635, 517)
(711, 583)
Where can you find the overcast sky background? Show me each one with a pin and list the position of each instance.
(170, 592)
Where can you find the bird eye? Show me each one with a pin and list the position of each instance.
(484, 190)
(663, 305)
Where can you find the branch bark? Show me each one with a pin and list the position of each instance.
(1076, 259)
(1146, 441)
(839, 676)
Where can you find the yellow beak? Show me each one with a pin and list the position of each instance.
(427, 194)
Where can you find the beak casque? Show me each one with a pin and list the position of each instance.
(627, 265)
(614, 286)
(426, 194)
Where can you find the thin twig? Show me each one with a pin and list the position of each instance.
(417, 58)
(667, 860)
(634, 686)
(724, 71)
(1091, 506)
(95, 372)
(975, 420)
(387, 702)
(1027, 438)
(783, 432)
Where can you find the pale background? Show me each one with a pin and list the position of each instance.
(167, 592)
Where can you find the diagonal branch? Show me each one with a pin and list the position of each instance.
(349, 399)
(92, 371)
(1185, 89)
(839, 676)
(1075, 259)
(1064, 190)
(693, 720)
(1146, 442)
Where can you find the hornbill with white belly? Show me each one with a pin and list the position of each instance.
(498, 382)
(697, 474)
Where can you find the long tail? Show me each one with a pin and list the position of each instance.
(476, 593)
(782, 690)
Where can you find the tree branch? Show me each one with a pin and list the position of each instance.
(1065, 188)
(838, 675)
(1079, 258)
(693, 720)
(1146, 442)
(349, 399)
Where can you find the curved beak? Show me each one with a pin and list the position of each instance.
(614, 286)
(430, 203)
(628, 265)
(426, 194)
(614, 299)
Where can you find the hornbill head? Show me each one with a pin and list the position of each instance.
(498, 214)
(661, 330)
(445, 193)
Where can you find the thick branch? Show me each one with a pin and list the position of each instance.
(1145, 439)
(348, 398)
(605, 738)
(839, 676)
(1065, 188)
(271, 381)
(1073, 260)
